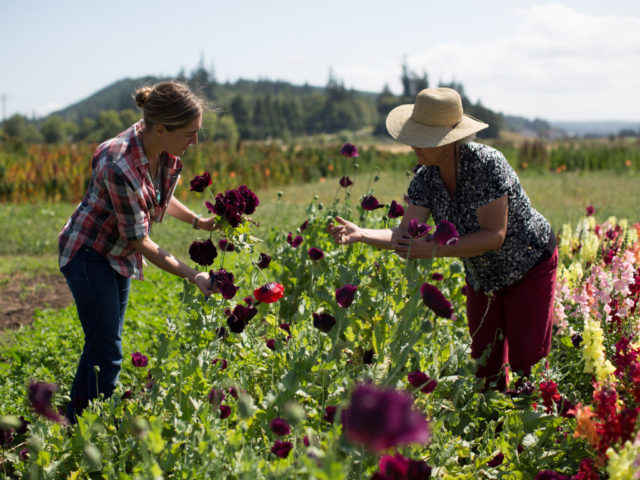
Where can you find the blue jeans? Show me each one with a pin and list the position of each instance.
(101, 295)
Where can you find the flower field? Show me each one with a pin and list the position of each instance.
(321, 361)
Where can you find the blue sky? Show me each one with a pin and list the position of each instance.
(567, 60)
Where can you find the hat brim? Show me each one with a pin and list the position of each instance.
(407, 131)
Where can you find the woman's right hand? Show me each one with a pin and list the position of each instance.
(346, 232)
(202, 281)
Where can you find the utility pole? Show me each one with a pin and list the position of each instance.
(4, 108)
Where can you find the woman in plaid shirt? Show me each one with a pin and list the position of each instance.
(102, 245)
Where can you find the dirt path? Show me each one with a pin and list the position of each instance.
(21, 295)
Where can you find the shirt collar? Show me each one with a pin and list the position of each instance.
(137, 151)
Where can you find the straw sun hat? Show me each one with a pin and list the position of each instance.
(436, 119)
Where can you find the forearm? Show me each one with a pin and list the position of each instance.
(381, 238)
(472, 245)
(163, 259)
(178, 210)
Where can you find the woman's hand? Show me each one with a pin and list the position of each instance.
(208, 224)
(420, 248)
(202, 281)
(345, 233)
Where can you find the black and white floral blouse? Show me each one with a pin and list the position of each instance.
(484, 175)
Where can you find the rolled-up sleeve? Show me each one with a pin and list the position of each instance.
(128, 206)
(496, 177)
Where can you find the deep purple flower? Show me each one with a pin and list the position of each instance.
(438, 277)
(126, 395)
(445, 234)
(345, 295)
(329, 414)
(296, 242)
(550, 475)
(497, 460)
(200, 182)
(315, 254)
(563, 406)
(349, 150)
(216, 396)
(394, 466)
(6, 438)
(395, 210)
(576, 340)
(369, 203)
(324, 322)
(520, 449)
(434, 299)
(418, 470)
(228, 290)
(367, 358)
(233, 391)
(24, 454)
(150, 383)
(463, 290)
(281, 449)
(264, 261)
(203, 253)
(422, 381)
(138, 360)
(418, 230)
(591, 210)
(225, 411)
(240, 317)
(271, 344)
(286, 327)
(250, 199)
(248, 301)
(24, 427)
(280, 427)
(269, 292)
(345, 182)
(382, 419)
(304, 226)
(221, 332)
(217, 279)
(40, 394)
(223, 363)
(305, 440)
(225, 245)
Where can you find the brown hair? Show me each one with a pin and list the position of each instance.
(171, 104)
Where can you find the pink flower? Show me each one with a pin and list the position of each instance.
(138, 360)
(349, 150)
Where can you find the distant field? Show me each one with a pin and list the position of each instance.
(28, 238)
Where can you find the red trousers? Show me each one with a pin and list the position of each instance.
(523, 313)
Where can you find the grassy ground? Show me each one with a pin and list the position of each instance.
(28, 237)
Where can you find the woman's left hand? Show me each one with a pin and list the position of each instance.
(420, 248)
(208, 224)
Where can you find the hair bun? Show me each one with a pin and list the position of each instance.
(142, 95)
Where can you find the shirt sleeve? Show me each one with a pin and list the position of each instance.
(128, 206)
(496, 173)
(419, 189)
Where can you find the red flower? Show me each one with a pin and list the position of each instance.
(203, 253)
(40, 394)
(138, 360)
(369, 203)
(265, 260)
(216, 396)
(550, 395)
(345, 295)
(324, 322)
(228, 290)
(395, 210)
(281, 449)
(435, 300)
(286, 327)
(200, 182)
(225, 411)
(422, 381)
(367, 358)
(271, 344)
(225, 245)
(223, 363)
(315, 254)
(345, 182)
(349, 150)
(329, 414)
(304, 226)
(591, 210)
(445, 234)
(269, 293)
(497, 460)
(438, 277)
(296, 242)
(279, 426)
(418, 230)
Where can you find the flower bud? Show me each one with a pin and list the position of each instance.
(376, 178)
(456, 267)
(280, 194)
(237, 249)
(408, 173)
(320, 206)
(245, 406)
(315, 197)
(501, 337)
(96, 369)
(426, 327)
(356, 166)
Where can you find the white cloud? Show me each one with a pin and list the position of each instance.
(558, 64)
(48, 108)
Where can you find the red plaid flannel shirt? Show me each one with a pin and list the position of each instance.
(120, 205)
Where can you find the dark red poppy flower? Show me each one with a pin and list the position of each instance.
(250, 199)
(445, 234)
(225, 245)
(369, 203)
(345, 295)
(281, 449)
(438, 277)
(315, 254)
(240, 317)
(323, 322)
(520, 449)
(329, 414)
(264, 261)
(418, 230)
(280, 427)
(576, 340)
(221, 332)
(394, 466)
(269, 292)
(233, 391)
(203, 253)
(271, 344)
(463, 290)
(24, 454)
(216, 396)
(225, 411)
(591, 210)
(304, 226)
(418, 470)
(296, 242)
(24, 427)
(233, 204)
(345, 182)
(223, 363)
(495, 461)
(395, 210)
(381, 419)
(138, 360)
(434, 299)
(286, 327)
(367, 358)
(150, 382)
(248, 301)
(126, 395)
(551, 475)
(349, 150)
(228, 290)
(305, 440)
(564, 406)
(200, 182)
(40, 395)
(422, 381)
(6, 438)
(217, 279)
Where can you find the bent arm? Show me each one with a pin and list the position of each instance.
(178, 210)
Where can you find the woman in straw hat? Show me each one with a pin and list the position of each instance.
(508, 248)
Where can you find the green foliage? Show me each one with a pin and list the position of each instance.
(53, 129)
